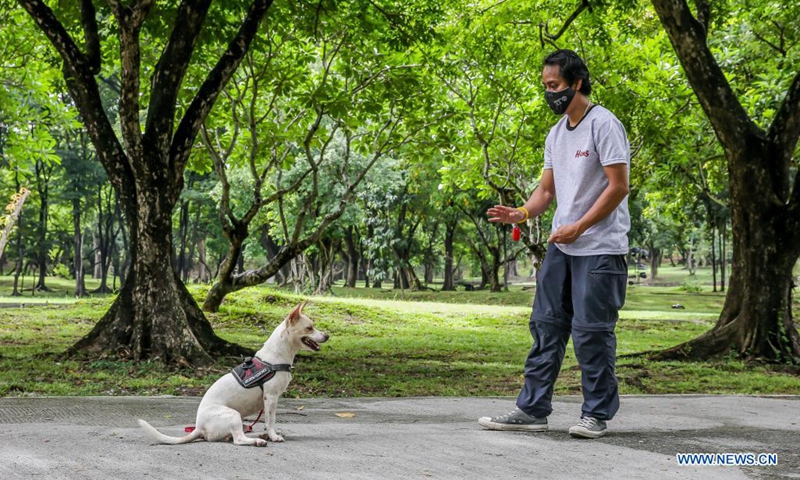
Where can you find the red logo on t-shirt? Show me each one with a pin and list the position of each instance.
(582, 153)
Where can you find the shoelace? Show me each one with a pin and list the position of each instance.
(588, 422)
(508, 415)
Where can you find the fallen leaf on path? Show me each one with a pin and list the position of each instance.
(345, 415)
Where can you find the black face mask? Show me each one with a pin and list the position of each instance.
(559, 101)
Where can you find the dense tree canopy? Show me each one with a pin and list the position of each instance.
(236, 143)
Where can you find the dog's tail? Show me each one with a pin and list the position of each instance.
(161, 438)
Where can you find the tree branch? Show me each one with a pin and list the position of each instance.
(513, 255)
(777, 48)
(544, 34)
(226, 216)
(785, 128)
(703, 14)
(169, 73)
(212, 86)
(57, 34)
(130, 22)
(90, 35)
(730, 120)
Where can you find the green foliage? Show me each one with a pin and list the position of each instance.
(62, 271)
(691, 286)
(29, 104)
(461, 79)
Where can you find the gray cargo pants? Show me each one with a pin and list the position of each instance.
(580, 296)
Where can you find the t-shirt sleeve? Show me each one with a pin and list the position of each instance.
(548, 160)
(611, 142)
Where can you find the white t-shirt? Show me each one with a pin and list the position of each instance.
(577, 156)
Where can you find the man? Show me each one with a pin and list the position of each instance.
(581, 285)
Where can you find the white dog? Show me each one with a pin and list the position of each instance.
(219, 416)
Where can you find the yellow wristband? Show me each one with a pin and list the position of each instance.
(525, 211)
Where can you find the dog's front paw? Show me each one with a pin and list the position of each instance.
(260, 442)
(272, 436)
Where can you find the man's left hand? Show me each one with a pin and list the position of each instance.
(565, 234)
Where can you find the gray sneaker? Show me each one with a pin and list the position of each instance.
(589, 427)
(516, 420)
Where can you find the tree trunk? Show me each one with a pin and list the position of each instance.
(655, 261)
(484, 276)
(77, 261)
(449, 249)
(20, 259)
(411, 277)
(724, 262)
(353, 258)
(494, 273)
(154, 316)
(193, 246)
(202, 274)
(104, 240)
(20, 250)
(97, 268)
(484, 265)
(429, 255)
(490, 268)
(429, 271)
(125, 264)
(106, 265)
(513, 270)
(399, 281)
(366, 265)
(236, 235)
(42, 181)
(325, 263)
(714, 253)
(233, 283)
(369, 262)
(183, 232)
(690, 260)
(756, 321)
(272, 248)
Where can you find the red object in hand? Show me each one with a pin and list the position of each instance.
(515, 233)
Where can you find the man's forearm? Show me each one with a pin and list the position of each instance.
(611, 197)
(542, 195)
(538, 202)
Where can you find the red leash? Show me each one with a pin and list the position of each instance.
(250, 427)
(247, 429)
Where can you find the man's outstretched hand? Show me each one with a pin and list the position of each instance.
(504, 214)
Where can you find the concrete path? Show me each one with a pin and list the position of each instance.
(398, 438)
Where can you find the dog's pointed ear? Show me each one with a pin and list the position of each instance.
(294, 315)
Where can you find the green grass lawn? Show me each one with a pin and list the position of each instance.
(59, 290)
(431, 343)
